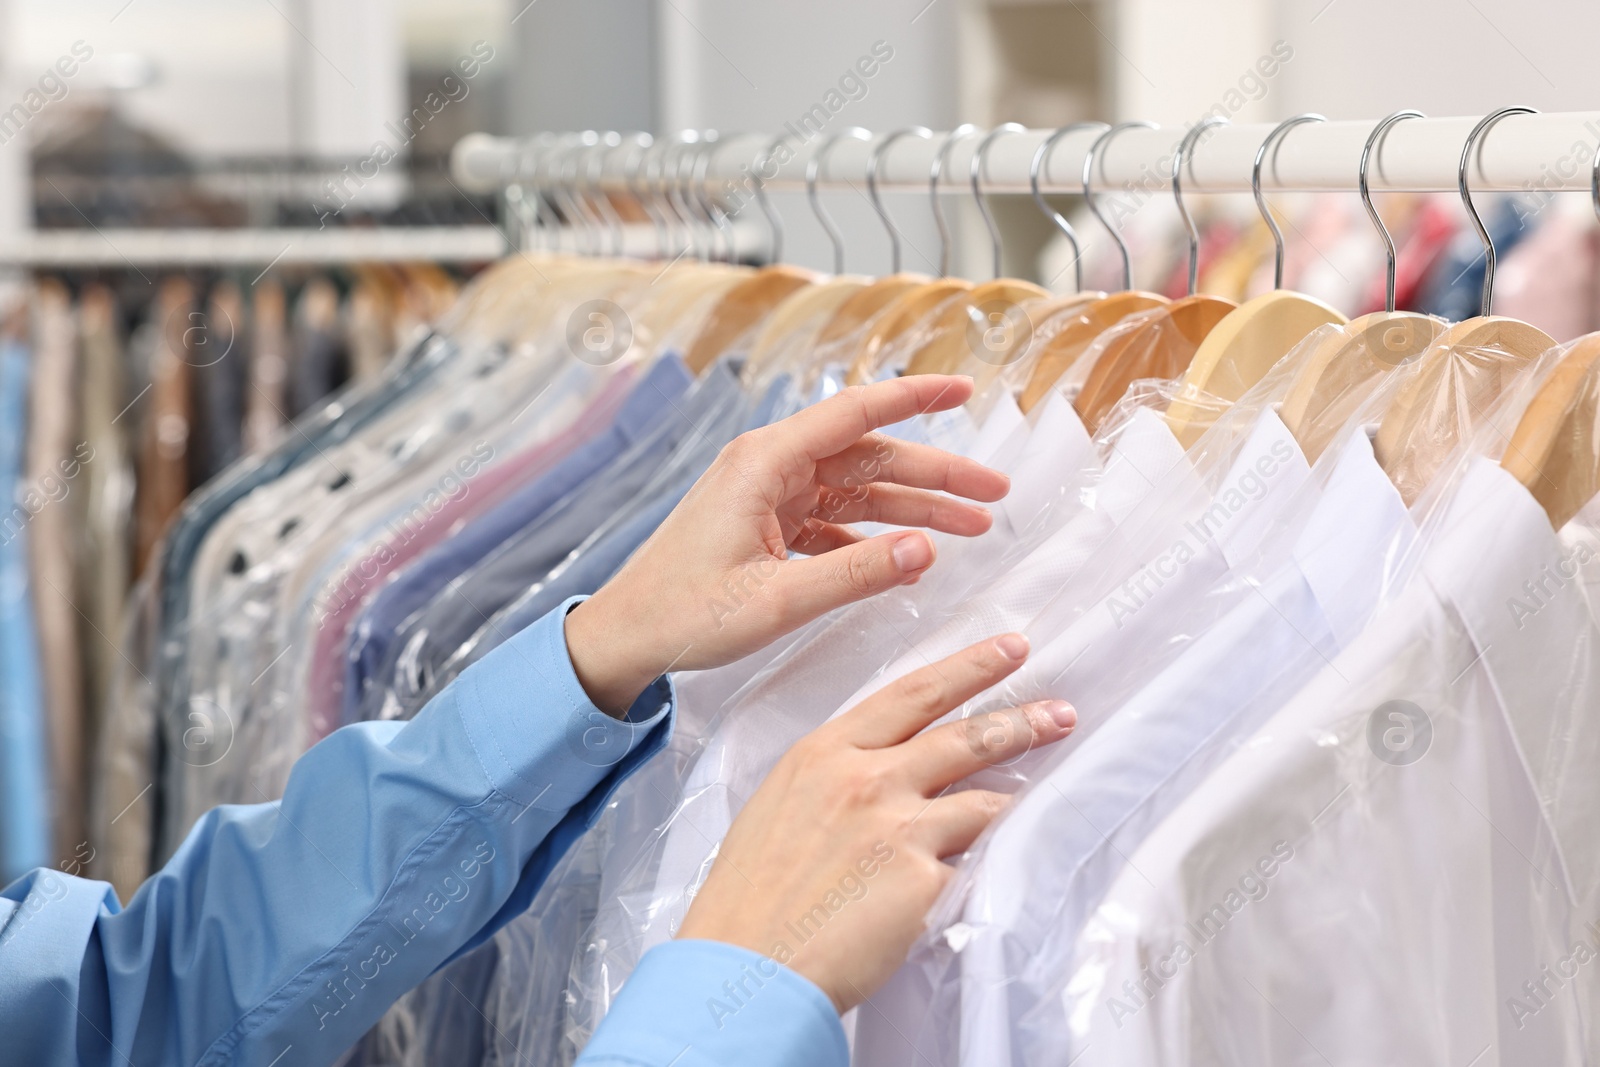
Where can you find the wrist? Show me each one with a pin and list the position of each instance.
(611, 661)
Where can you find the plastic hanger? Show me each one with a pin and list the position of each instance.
(1163, 345)
(1058, 356)
(1241, 348)
(1338, 372)
(1555, 451)
(967, 328)
(1418, 430)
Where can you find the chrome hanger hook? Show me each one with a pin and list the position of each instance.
(975, 173)
(1040, 155)
(610, 141)
(813, 171)
(1389, 252)
(774, 220)
(874, 160)
(568, 184)
(1487, 305)
(1270, 142)
(1088, 193)
(718, 217)
(940, 158)
(1186, 152)
(638, 184)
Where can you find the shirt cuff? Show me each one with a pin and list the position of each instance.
(501, 722)
(709, 1004)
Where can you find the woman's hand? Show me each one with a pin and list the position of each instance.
(833, 863)
(715, 583)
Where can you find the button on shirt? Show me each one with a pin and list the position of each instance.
(1418, 820)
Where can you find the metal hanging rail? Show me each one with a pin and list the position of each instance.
(1539, 153)
(119, 248)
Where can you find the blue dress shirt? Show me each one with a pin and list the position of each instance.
(370, 662)
(278, 933)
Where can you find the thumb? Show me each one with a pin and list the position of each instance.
(816, 585)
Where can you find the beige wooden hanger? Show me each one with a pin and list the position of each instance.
(966, 328)
(742, 309)
(1461, 373)
(1555, 447)
(789, 335)
(1240, 349)
(1342, 370)
(1060, 354)
(1163, 343)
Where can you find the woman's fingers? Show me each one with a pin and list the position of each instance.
(878, 458)
(849, 415)
(817, 536)
(899, 506)
(950, 824)
(903, 708)
(812, 587)
(946, 754)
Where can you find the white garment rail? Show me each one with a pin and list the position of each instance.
(1540, 152)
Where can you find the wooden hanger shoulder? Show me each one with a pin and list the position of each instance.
(1241, 349)
(1057, 355)
(806, 310)
(741, 310)
(1341, 370)
(1552, 451)
(952, 343)
(908, 310)
(1159, 348)
(867, 304)
(1459, 377)
(1015, 362)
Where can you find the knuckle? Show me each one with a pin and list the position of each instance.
(741, 449)
(857, 575)
(923, 691)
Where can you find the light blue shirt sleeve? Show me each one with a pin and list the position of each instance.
(709, 1004)
(279, 933)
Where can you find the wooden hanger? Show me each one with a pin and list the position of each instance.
(1553, 451)
(792, 328)
(1043, 319)
(1246, 344)
(1555, 448)
(1162, 346)
(1164, 342)
(742, 309)
(1342, 370)
(1462, 373)
(977, 311)
(913, 307)
(1058, 357)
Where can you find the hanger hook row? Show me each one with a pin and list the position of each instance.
(1185, 151)
(1373, 140)
(975, 174)
(814, 170)
(940, 158)
(874, 161)
(1487, 305)
(1270, 143)
(1088, 193)
(1038, 164)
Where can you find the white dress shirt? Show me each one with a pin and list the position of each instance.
(1049, 862)
(1366, 881)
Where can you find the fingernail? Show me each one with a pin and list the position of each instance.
(912, 553)
(1061, 713)
(1012, 646)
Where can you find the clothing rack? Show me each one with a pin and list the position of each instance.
(1521, 152)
